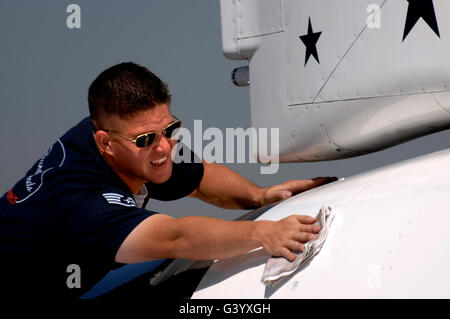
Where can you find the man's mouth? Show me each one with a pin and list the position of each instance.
(159, 162)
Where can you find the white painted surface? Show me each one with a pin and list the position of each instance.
(390, 239)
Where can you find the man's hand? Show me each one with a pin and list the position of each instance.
(288, 235)
(289, 188)
(225, 188)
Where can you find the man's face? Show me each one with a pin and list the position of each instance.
(134, 165)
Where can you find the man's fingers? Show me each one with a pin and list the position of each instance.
(296, 186)
(286, 253)
(289, 188)
(318, 181)
(304, 223)
(310, 228)
(280, 194)
(276, 195)
(302, 185)
(294, 231)
(294, 245)
(304, 219)
(304, 237)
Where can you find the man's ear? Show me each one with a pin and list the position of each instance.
(103, 141)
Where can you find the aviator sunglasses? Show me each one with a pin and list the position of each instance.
(147, 139)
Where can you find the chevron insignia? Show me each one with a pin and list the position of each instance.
(117, 199)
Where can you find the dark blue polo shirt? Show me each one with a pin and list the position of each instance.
(72, 208)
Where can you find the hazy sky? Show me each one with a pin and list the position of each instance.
(46, 69)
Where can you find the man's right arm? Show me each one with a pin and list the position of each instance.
(204, 238)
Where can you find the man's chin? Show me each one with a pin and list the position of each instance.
(160, 177)
(159, 181)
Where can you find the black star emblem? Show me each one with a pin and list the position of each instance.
(310, 40)
(420, 9)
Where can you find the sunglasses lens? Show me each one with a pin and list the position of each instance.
(148, 139)
(145, 140)
(173, 130)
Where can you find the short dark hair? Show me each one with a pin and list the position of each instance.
(125, 89)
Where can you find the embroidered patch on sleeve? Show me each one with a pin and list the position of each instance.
(117, 199)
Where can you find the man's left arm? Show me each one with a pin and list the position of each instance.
(225, 188)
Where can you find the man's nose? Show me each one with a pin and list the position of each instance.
(162, 144)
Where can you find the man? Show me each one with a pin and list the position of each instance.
(80, 207)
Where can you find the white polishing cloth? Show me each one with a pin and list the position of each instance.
(278, 268)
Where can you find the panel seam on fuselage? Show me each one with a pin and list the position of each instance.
(344, 56)
(437, 102)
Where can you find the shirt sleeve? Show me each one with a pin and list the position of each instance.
(185, 178)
